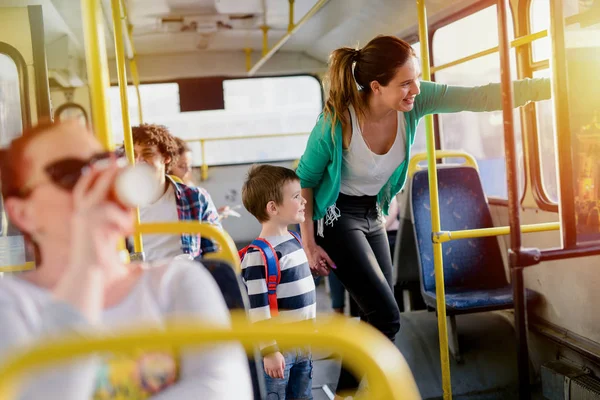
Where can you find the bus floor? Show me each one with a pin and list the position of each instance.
(487, 342)
(326, 367)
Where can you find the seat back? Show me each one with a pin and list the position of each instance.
(406, 261)
(236, 298)
(469, 264)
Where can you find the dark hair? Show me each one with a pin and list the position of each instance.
(377, 61)
(182, 146)
(264, 183)
(156, 135)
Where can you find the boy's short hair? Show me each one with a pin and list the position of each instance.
(264, 183)
(156, 135)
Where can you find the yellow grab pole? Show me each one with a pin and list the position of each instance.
(265, 42)
(28, 266)
(520, 41)
(135, 76)
(291, 23)
(446, 236)
(122, 78)
(248, 52)
(204, 167)
(97, 69)
(440, 293)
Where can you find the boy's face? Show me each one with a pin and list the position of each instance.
(150, 155)
(183, 167)
(291, 210)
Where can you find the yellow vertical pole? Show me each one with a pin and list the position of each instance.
(440, 292)
(248, 52)
(291, 22)
(122, 78)
(265, 43)
(135, 76)
(97, 69)
(204, 167)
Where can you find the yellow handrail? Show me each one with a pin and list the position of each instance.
(364, 349)
(28, 266)
(267, 55)
(413, 165)
(122, 79)
(135, 76)
(204, 166)
(237, 137)
(515, 43)
(227, 249)
(435, 213)
(446, 236)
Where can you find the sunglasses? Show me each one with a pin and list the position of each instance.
(65, 173)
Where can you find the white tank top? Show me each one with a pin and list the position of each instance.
(363, 172)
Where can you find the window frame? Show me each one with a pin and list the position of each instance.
(19, 61)
(533, 143)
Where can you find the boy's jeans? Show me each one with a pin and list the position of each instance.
(297, 381)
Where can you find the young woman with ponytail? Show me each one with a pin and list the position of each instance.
(356, 161)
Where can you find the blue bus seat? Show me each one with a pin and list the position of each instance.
(236, 298)
(474, 274)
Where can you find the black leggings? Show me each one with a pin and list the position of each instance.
(358, 245)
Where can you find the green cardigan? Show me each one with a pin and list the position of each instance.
(320, 166)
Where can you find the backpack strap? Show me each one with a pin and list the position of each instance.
(296, 235)
(272, 270)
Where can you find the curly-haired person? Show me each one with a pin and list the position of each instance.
(155, 146)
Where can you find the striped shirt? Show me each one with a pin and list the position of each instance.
(296, 296)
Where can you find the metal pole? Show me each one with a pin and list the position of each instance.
(564, 143)
(98, 79)
(291, 22)
(513, 202)
(122, 79)
(97, 69)
(440, 292)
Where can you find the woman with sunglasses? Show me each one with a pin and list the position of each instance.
(58, 195)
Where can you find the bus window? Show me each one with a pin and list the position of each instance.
(542, 48)
(253, 106)
(12, 245)
(159, 102)
(540, 20)
(259, 106)
(11, 124)
(480, 134)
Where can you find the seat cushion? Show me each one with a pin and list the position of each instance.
(479, 300)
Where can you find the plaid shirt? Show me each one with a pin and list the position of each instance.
(195, 204)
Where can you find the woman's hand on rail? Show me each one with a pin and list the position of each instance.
(318, 260)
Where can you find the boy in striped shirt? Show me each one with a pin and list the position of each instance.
(272, 195)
